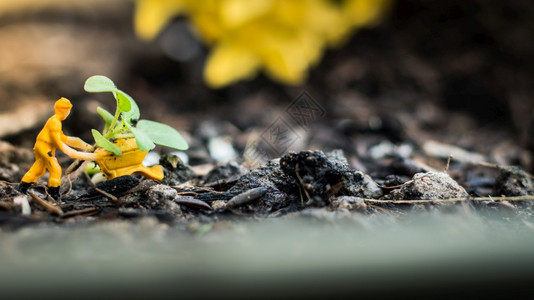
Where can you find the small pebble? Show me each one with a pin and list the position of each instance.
(151, 158)
(182, 155)
(221, 149)
(429, 186)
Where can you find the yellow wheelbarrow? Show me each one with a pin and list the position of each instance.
(131, 161)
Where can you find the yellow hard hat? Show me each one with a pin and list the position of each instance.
(62, 104)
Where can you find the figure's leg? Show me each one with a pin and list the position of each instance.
(37, 170)
(54, 181)
(24, 186)
(54, 192)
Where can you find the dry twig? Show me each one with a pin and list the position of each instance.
(87, 211)
(448, 164)
(47, 205)
(102, 192)
(301, 182)
(5, 206)
(405, 201)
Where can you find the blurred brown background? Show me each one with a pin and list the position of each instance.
(459, 72)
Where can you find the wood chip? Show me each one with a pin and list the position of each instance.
(247, 197)
(190, 201)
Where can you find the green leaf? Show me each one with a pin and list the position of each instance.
(133, 110)
(143, 140)
(162, 134)
(144, 143)
(98, 84)
(106, 115)
(124, 101)
(104, 143)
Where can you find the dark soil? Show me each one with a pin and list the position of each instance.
(296, 181)
(386, 111)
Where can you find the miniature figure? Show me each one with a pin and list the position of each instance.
(118, 151)
(49, 139)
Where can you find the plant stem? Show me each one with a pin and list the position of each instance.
(111, 129)
(114, 133)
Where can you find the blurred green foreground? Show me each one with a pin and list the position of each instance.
(428, 254)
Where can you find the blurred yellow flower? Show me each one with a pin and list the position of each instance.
(282, 37)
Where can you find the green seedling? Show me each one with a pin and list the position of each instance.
(125, 123)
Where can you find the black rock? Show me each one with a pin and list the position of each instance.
(176, 172)
(224, 171)
(274, 180)
(319, 174)
(512, 181)
(118, 185)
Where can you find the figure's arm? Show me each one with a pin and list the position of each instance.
(77, 154)
(78, 143)
(61, 141)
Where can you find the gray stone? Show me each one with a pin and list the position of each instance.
(429, 186)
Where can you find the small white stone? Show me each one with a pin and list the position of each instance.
(23, 202)
(181, 155)
(98, 177)
(221, 149)
(151, 158)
